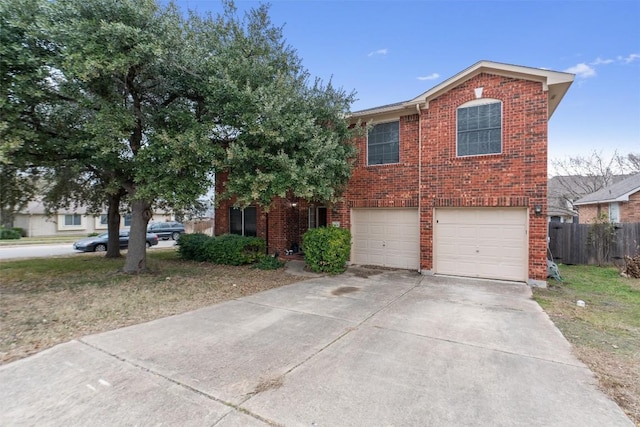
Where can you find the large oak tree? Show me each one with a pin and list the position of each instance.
(150, 103)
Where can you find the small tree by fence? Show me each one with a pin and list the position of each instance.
(601, 238)
(594, 244)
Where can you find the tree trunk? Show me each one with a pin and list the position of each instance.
(136, 261)
(6, 218)
(113, 224)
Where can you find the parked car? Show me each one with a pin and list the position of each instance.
(166, 230)
(99, 243)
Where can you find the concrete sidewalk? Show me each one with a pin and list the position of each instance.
(367, 348)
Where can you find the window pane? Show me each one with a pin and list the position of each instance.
(250, 226)
(104, 219)
(127, 220)
(72, 219)
(312, 217)
(383, 143)
(480, 129)
(235, 221)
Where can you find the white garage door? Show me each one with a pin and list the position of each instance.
(489, 243)
(386, 237)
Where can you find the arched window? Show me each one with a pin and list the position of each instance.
(479, 127)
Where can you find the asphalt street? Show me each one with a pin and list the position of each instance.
(43, 251)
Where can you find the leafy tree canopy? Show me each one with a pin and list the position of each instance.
(134, 98)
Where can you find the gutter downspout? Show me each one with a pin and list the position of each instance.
(419, 178)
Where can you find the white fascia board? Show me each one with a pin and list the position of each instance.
(555, 82)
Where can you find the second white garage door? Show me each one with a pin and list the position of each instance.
(386, 237)
(489, 243)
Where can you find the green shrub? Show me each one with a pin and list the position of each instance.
(326, 249)
(21, 231)
(93, 234)
(192, 246)
(9, 234)
(229, 249)
(268, 262)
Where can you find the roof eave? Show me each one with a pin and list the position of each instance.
(621, 198)
(555, 82)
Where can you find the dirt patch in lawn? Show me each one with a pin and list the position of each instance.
(43, 305)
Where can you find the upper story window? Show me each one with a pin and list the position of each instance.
(383, 143)
(479, 126)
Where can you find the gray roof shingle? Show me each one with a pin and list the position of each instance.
(617, 192)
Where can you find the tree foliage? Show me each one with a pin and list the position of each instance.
(136, 101)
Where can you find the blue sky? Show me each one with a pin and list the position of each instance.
(391, 51)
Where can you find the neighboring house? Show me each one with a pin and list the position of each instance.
(564, 190)
(451, 182)
(620, 202)
(71, 222)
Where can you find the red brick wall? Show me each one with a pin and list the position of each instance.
(588, 213)
(515, 178)
(630, 211)
(281, 225)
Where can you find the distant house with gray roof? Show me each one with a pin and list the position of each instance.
(620, 202)
(564, 190)
(74, 221)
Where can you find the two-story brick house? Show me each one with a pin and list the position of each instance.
(451, 182)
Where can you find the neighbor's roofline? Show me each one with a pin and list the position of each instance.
(555, 82)
(621, 198)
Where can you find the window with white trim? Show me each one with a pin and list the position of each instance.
(243, 221)
(479, 128)
(101, 222)
(127, 220)
(72, 220)
(614, 212)
(383, 143)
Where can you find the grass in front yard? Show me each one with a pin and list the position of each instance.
(606, 333)
(47, 301)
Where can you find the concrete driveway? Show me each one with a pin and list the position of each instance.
(367, 348)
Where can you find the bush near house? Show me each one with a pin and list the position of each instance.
(228, 249)
(10, 233)
(326, 249)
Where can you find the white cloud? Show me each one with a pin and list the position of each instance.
(629, 58)
(429, 77)
(581, 70)
(379, 52)
(600, 61)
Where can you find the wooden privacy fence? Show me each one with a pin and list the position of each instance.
(204, 226)
(570, 243)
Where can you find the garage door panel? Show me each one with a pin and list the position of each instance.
(386, 237)
(489, 242)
